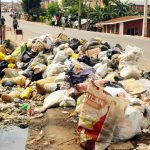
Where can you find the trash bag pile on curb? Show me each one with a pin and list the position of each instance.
(104, 84)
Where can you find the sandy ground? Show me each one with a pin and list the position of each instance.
(58, 131)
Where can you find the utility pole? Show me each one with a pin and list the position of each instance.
(79, 15)
(12, 5)
(144, 33)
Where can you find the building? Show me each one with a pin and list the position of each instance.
(129, 25)
(93, 3)
(44, 3)
(139, 5)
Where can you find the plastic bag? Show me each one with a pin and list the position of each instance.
(62, 55)
(28, 55)
(19, 51)
(53, 69)
(67, 102)
(20, 80)
(40, 85)
(146, 84)
(38, 64)
(61, 77)
(2, 56)
(11, 96)
(74, 43)
(10, 73)
(59, 57)
(2, 49)
(38, 46)
(53, 100)
(10, 59)
(102, 70)
(130, 72)
(8, 83)
(130, 125)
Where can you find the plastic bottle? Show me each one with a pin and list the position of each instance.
(26, 94)
(24, 106)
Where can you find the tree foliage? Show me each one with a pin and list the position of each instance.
(53, 9)
(114, 9)
(29, 5)
(67, 3)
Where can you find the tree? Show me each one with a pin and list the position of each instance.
(53, 9)
(97, 14)
(28, 5)
(67, 3)
(109, 12)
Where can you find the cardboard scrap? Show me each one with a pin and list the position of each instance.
(93, 52)
(63, 37)
(121, 146)
(133, 86)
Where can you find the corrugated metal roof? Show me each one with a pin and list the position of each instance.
(138, 2)
(120, 20)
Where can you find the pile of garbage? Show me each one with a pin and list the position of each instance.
(104, 84)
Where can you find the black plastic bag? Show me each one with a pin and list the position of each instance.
(111, 53)
(73, 78)
(113, 84)
(9, 84)
(147, 75)
(28, 55)
(3, 65)
(74, 43)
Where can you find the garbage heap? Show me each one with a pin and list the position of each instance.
(104, 84)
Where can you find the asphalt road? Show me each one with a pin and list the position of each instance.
(32, 29)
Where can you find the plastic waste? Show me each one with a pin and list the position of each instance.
(98, 117)
(26, 94)
(2, 56)
(53, 99)
(40, 85)
(61, 77)
(74, 55)
(102, 70)
(53, 69)
(74, 43)
(146, 84)
(25, 106)
(9, 84)
(90, 45)
(18, 52)
(9, 72)
(131, 122)
(2, 49)
(147, 75)
(10, 59)
(20, 80)
(130, 71)
(11, 96)
(62, 55)
(28, 55)
(67, 102)
(12, 66)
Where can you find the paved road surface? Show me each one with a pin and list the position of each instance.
(13, 138)
(32, 29)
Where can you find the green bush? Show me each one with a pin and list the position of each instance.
(42, 18)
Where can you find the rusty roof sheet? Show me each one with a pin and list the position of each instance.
(120, 20)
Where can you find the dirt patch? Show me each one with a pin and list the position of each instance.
(58, 131)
